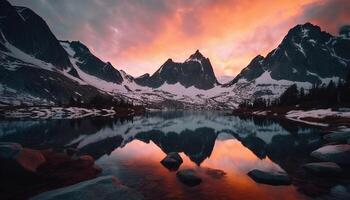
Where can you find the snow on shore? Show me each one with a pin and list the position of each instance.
(300, 115)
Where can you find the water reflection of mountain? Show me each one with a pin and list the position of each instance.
(54, 133)
(197, 144)
(193, 133)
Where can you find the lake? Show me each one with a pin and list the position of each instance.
(132, 148)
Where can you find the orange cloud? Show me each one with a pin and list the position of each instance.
(139, 36)
(220, 31)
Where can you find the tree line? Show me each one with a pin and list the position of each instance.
(99, 101)
(319, 96)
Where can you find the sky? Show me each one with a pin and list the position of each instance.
(138, 36)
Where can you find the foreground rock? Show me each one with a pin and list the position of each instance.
(25, 172)
(333, 153)
(19, 157)
(340, 137)
(323, 168)
(104, 188)
(172, 161)
(189, 177)
(270, 178)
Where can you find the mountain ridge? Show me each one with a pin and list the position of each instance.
(195, 71)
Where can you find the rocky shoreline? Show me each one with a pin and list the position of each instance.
(329, 119)
(26, 172)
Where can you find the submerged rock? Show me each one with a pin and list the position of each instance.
(172, 161)
(270, 178)
(189, 177)
(341, 137)
(104, 188)
(325, 168)
(333, 153)
(215, 173)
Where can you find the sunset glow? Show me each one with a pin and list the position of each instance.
(139, 36)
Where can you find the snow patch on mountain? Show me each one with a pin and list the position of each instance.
(16, 53)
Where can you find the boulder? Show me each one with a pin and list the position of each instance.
(339, 154)
(104, 188)
(188, 177)
(28, 159)
(270, 178)
(340, 137)
(325, 168)
(172, 161)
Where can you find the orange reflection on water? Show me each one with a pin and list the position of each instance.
(141, 160)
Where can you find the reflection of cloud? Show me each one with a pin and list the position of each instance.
(230, 156)
(139, 36)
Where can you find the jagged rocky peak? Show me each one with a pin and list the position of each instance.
(197, 55)
(27, 31)
(304, 32)
(195, 71)
(307, 54)
(90, 64)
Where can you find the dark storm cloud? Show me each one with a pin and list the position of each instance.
(134, 20)
(329, 14)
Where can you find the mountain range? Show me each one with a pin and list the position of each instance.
(38, 69)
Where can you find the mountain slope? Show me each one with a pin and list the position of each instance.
(16, 25)
(306, 56)
(34, 67)
(195, 71)
(90, 64)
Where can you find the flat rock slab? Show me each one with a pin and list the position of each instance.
(104, 188)
(341, 137)
(270, 178)
(189, 177)
(325, 168)
(339, 154)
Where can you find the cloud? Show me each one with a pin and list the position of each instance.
(329, 14)
(139, 35)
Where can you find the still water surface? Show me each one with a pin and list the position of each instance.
(131, 149)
